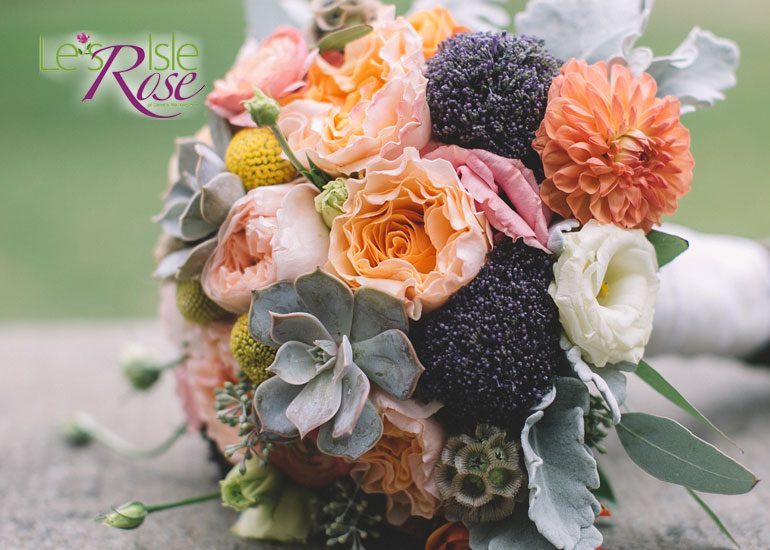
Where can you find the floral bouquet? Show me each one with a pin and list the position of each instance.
(410, 262)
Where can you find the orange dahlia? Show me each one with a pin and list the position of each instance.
(611, 150)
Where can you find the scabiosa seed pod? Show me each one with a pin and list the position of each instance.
(493, 350)
(489, 91)
(480, 478)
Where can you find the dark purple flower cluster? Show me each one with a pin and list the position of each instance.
(489, 91)
(493, 350)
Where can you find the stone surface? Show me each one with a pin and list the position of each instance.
(50, 492)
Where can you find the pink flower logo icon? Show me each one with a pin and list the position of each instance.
(82, 37)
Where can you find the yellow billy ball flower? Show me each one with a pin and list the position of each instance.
(253, 357)
(255, 155)
(194, 305)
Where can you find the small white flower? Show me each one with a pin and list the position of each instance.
(606, 282)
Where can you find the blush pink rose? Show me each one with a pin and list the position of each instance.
(401, 464)
(277, 66)
(409, 229)
(371, 106)
(486, 177)
(271, 234)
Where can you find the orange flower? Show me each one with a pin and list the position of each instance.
(410, 230)
(372, 105)
(434, 26)
(401, 464)
(611, 150)
(450, 536)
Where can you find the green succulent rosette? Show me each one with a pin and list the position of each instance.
(196, 203)
(333, 344)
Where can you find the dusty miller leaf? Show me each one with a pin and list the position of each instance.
(699, 70)
(562, 470)
(594, 30)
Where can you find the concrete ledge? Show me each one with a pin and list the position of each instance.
(51, 493)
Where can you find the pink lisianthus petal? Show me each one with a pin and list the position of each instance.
(277, 67)
(485, 176)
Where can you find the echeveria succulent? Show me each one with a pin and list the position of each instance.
(197, 201)
(333, 344)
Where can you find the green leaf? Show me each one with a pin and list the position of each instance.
(604, 492)
(337, 40)
(667, 247)
(660, 385)
(713, 516)
(667, 450)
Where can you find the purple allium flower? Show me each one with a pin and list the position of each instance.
(489, 91)
(82, 37)
(493, 350)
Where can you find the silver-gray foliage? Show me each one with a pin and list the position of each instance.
(562, 471)
(697, 72)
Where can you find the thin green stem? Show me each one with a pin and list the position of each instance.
(173, 363)
(119, 445)
(285, 146)
(183, 502)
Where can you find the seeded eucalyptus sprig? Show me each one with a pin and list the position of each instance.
(344, 517)
(598, 422)
(233, 405)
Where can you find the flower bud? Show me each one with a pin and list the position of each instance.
(264, 110)
(241, 491)
(126, 516)
(75, 433)
(138, 368)
(329, 202)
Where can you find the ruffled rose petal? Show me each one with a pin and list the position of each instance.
(373, 105)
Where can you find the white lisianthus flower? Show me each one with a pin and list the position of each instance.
(606, 282)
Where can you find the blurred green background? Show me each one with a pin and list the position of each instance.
(81, 181)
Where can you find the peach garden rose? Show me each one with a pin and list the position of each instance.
(434, 26)
(271, 234)
(409, 229)
(401, 464)
(372, 105)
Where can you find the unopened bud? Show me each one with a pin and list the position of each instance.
(329, 201)
(264, 110)
(126, 516)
